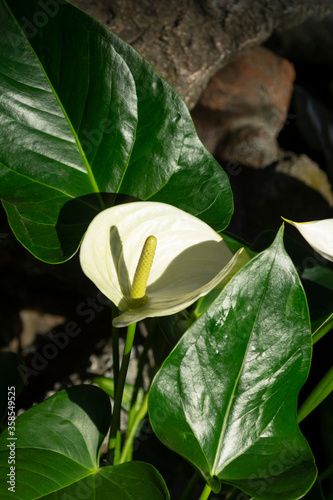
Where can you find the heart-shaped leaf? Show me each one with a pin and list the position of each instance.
(56, 454)
(82, 113)
(226, 397)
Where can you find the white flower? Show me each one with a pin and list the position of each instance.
(319, 234)
(190, 259)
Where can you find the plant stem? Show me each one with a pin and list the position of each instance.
(115, 350)
(206, 492)
(117, 447)
(119, 389)
(190, 486)
(138, 417)
(317, 396)
(324, 328)
(138, 381)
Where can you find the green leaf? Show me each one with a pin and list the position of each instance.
(82, 112)
(57, 453)
(229, 388)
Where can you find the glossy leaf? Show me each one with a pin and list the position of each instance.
(82, 112)
(57, 453)
(229, 388)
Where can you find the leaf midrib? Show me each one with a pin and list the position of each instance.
(225, 420)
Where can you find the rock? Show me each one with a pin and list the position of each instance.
(37, 322)
(180, 39)
(253, 146)
(244, 108)
(307, 171)
(189, 41)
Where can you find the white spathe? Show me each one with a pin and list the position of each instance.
(191, 259)
(319, 234)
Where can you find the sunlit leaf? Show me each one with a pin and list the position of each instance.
(81, 112)
(57, 449)
(226, 397)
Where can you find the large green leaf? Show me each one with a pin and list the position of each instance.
(57, 454)
(81, 112)
(226, 397)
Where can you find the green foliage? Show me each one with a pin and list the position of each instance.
(229, 389)
(57, 453)
(83, 113)
(85, 123)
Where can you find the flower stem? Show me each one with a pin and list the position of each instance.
(142, 363)
(138, 417)
(117, 448)
(115, 349)
(138, 382)
(119, 389)
(206, 492)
